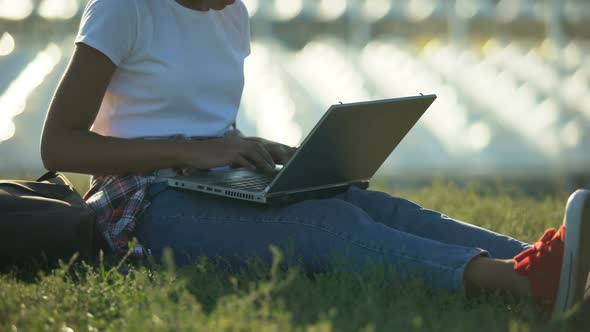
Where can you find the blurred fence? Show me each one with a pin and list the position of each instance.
(512, 76)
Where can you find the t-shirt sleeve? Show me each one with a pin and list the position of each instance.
(111, 27)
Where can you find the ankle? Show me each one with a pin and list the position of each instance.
(522, 285)
(484, 273)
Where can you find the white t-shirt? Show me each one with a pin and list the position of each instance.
(179, 71)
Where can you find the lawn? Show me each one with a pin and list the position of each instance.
(93, 297)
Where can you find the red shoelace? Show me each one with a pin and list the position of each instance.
(533, 256)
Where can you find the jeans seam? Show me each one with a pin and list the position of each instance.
(327, 230)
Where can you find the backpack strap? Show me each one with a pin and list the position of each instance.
(47, 176)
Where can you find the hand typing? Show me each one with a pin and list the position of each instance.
(250, 152)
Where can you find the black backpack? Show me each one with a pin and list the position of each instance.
(45, 219)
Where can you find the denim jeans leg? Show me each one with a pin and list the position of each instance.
(317, 231)
(409, 217)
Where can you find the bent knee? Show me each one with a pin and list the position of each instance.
(333, 215)
(372, 198)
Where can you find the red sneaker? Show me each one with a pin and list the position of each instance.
(541, 263)
(557, 265)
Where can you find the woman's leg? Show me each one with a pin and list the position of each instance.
(195, 225)
(495, 274)
(409, 217)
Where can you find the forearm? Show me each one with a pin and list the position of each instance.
(90, 153)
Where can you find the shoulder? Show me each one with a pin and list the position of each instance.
(241, 7)
(111, 11)
(114, 4)
(238, 11)
(113, 8)
(111, 27)
(110, 14)
(238, 15)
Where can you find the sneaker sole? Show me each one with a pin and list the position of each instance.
(576, 257)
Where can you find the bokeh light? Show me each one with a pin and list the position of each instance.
(58, 9)
(13, 100)
(16, 10)
(7, 129)
(508, 10)
(287, 10)
(419, 10)
(7, 44)
(377, 9)
(332, 9)
(267, 102)
(467, 8)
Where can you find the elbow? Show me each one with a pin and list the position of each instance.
(48, 163)
(50, 153)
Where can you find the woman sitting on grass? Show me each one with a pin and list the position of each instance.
(152, 91)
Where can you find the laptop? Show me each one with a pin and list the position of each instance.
(345, 148)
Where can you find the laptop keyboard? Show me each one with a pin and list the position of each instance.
(250, 182)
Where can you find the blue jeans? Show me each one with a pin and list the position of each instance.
(363, 226)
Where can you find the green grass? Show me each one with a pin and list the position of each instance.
(205, 298)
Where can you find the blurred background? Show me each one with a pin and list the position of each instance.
(512, 76)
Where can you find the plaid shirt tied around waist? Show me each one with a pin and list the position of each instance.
(119, 201)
